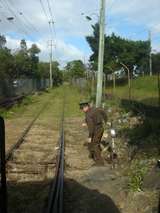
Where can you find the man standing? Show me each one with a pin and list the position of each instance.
(95, 119)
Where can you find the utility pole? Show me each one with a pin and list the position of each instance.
(50, 67)
(104, 86)
(100, 54)
(150, 54)
(51, 22)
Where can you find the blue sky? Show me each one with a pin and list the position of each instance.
(129, 19)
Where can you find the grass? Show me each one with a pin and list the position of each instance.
(136, 174)
(73, 97)
(33, 103)
(29, 103)
(144, 89)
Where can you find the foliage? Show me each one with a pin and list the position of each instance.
(132, 53)
(2, 41)
(24, 63)
(75, 69)
(136, 175)
(143, 89)
(7, 63)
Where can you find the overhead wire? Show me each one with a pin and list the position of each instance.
(52, 23)
(25, 18)
(50, 20)
(21, 26)
(46, 15)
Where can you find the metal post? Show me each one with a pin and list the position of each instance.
(158, 78)
(100, 54)
(129, 79)
(114, 83)
(3, 189)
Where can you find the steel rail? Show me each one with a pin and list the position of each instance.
(11, 101)
(55, 198)
(9, 154)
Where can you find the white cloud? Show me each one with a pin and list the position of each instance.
(63, 52)
(71, 26)
(139, 12)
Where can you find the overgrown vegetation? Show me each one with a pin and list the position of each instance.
(19, 108)
(134, 54)
(74, 69)
(136, 174)
(143, 89)
(24, 63)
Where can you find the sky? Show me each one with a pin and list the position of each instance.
(29, 20)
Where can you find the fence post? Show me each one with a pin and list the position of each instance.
(3, 189)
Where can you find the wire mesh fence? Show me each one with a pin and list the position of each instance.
(142, 89)
(12, 88)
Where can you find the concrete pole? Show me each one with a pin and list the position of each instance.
(104, 86)
(100, 54)
(50, 67)
(150, 54)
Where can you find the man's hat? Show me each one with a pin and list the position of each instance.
(83, 104)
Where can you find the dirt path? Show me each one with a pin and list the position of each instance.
(88, 188)
(97, 189)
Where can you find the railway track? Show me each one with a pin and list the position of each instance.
(36, 159)
(9, 102)
(55, 197)
(21, 139)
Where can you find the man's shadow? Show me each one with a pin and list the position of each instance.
(32, 197)
(80, 199)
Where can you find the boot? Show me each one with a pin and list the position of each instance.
(97, 157)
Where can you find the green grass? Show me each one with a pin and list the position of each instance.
(73, 97)
(29, 103)
(33, 103)
(136, 174)
(144, 89)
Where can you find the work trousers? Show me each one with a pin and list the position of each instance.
(94, 146)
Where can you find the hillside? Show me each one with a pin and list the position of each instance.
(144, 89)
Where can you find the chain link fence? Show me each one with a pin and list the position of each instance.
(12, 88)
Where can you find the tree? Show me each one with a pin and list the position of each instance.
(7, 65)
(131, 53)
(75, 69)
(2, 41)
(23, 46)
(33, 54)
(22, 61)
(43, 72)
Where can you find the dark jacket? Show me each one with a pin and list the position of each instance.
(95, 118)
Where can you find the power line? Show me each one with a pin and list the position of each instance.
(150, 52)
(52, 17)
(52, 23)
(21, 26)
(45, 13)
(26, 20)
(50, 10)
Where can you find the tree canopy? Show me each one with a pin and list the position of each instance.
(75, 69)
(24, 63)
(131, 53)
